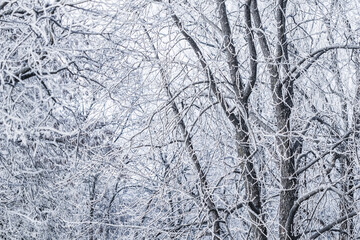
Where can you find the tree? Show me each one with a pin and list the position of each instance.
(52, 90)
(208, 52)
(179, 119)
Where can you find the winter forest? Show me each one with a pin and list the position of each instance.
(179, 119)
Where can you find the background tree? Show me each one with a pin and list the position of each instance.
(179, 119)
(54, 121)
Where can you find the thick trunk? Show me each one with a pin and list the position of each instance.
(253, 191)
(282, 93)
(347, 201)
(288, 194)
(92, 207)
(252, 186)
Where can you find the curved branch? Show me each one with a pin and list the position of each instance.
(303, 169)
(333, 224)
(315, 56)
(191, 150)
(225, 106)
(230, 49)
(297, 204)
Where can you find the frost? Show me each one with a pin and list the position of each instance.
(179, 119)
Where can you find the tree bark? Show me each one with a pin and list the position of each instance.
(282, 93)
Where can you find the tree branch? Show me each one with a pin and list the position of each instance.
(297, 204)
(190, 148)
(333, 224)
(225, 106)
(301, 170)
(230, 49)
(315, 56)
(252, 52)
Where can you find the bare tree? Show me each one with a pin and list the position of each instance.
(284, 65)
(180, 119)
